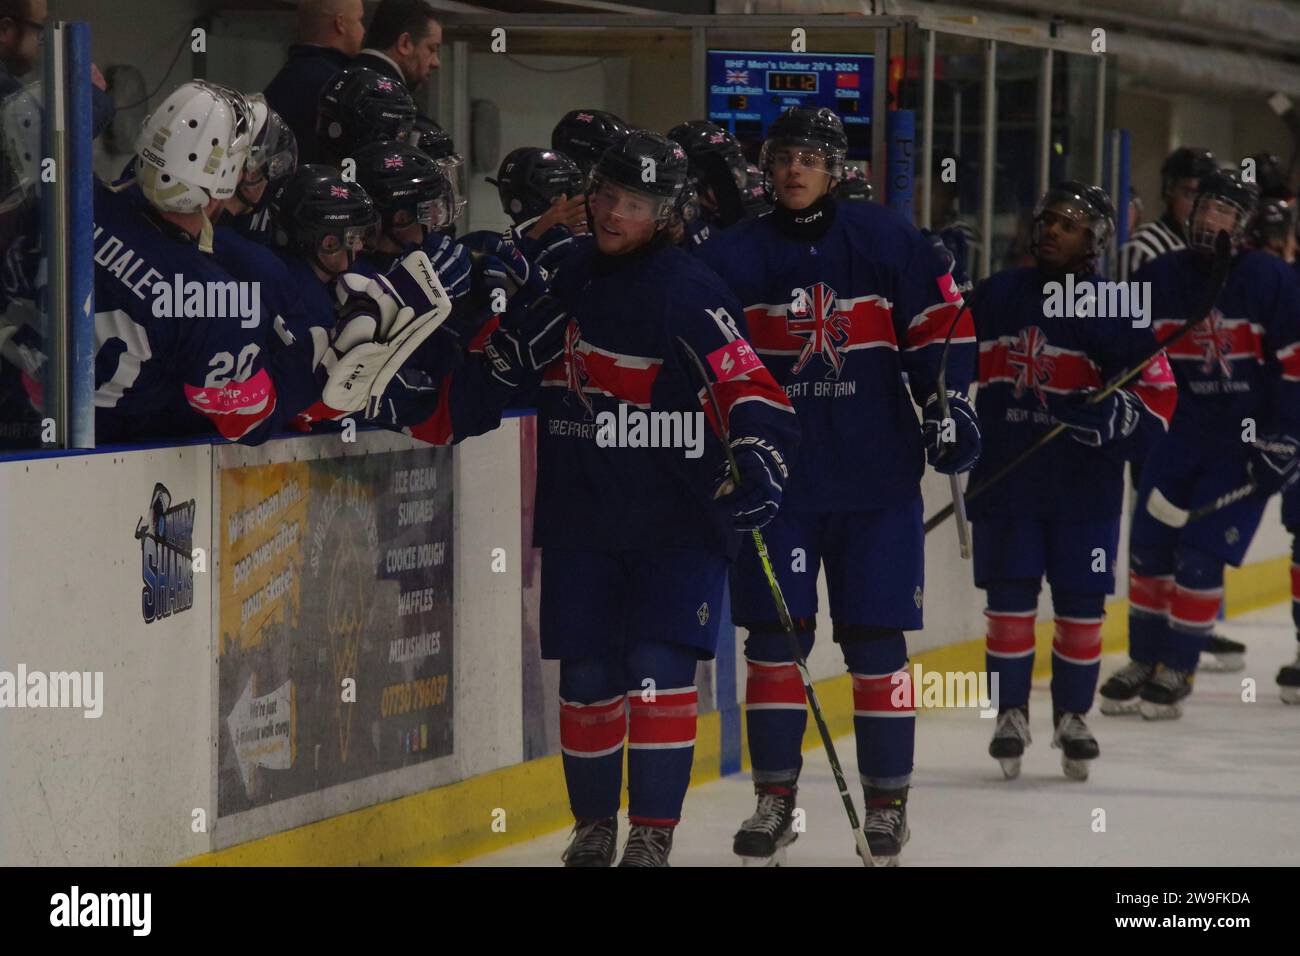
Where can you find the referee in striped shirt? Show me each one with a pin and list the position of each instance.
(1179, 176)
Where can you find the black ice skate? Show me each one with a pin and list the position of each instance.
(1222, 656)
(1162, 695)
(762, 839)
(1119, 695)
(1010, 737)
(593, 843)
(885, 826)
(1288, 681)
(647, 846)
(1077, 745)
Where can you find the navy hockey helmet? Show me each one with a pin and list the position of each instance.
(360, 106)
(1084, 205)
(641, 178)
(406, 186)
(584, 135)
(316, 212)
(530, 178)
(1223, 204)
(854, 187)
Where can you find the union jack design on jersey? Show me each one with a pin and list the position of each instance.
(1033, 368)
(815, 316)
(576, 375)
(1214, 339)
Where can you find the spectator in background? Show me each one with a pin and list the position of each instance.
(329, 36)
(403, 41)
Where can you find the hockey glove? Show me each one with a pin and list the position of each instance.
(451, 260)
(381, 322)
(1114, 418)
(762, 479)
(1274, 463)
(952, 446)
(514, 354)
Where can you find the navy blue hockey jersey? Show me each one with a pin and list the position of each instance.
(166, 365)
(623, 365)
(1243, 361)
(839, 321)
(1027, 357)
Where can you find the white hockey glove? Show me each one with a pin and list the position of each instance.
(381, 322)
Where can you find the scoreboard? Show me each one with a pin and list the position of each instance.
(748, 90)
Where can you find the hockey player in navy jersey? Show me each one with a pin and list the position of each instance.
(1058, 514)
(1238, 420)
(841, 300)
(717, 176)
(167, 364)
(544, 194)
(636, 544)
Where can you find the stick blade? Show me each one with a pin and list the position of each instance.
(1165, 511)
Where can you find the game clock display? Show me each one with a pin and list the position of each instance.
(749, 89)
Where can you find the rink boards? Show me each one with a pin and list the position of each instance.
(226, 735)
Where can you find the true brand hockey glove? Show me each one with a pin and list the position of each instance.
(762, 480)
(1114, 418)
(381, 322)
(1274, 462)
(951, 448)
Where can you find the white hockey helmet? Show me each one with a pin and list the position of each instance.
(192, 148)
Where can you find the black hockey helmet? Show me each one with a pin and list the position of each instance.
(406, 185)
(531, 177)
(428, 137)
(1186, 162)
(1270, 177)
(315, 211)
(584, 135)
(753, 198)
(360, 106)
(710, 150)
(854, 187)
(649, 167)
(1223, 203)
(1273, 222)
(1089, 206)
(803, 128)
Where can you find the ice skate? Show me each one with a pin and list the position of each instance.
(885, 825)
(593, 843)
(1288, 682)
(647, 846)
(762, 839)
(1222, 656)
(1119, 695)
(1077, 745)
(1162, 695)
(1010, 737)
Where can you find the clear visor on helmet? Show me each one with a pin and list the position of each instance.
(430, 213)
(275, 154)
(453, 167)
(779, 156)
(1212, 215)
(607, 198)
(1071, 214)
(353, 239)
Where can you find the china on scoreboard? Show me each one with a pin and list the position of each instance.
(749, 89)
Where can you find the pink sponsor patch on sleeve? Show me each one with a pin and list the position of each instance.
(1158, 371)
(948, 288)
(236, 397)
(733, 360)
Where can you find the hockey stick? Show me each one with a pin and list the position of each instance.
(954, 482)
(1168, 513)
(783, 613)
(1218, 276)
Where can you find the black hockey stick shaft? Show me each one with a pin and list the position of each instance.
(783, 612)
(1218, 276)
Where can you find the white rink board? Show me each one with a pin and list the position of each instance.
(122, 788)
